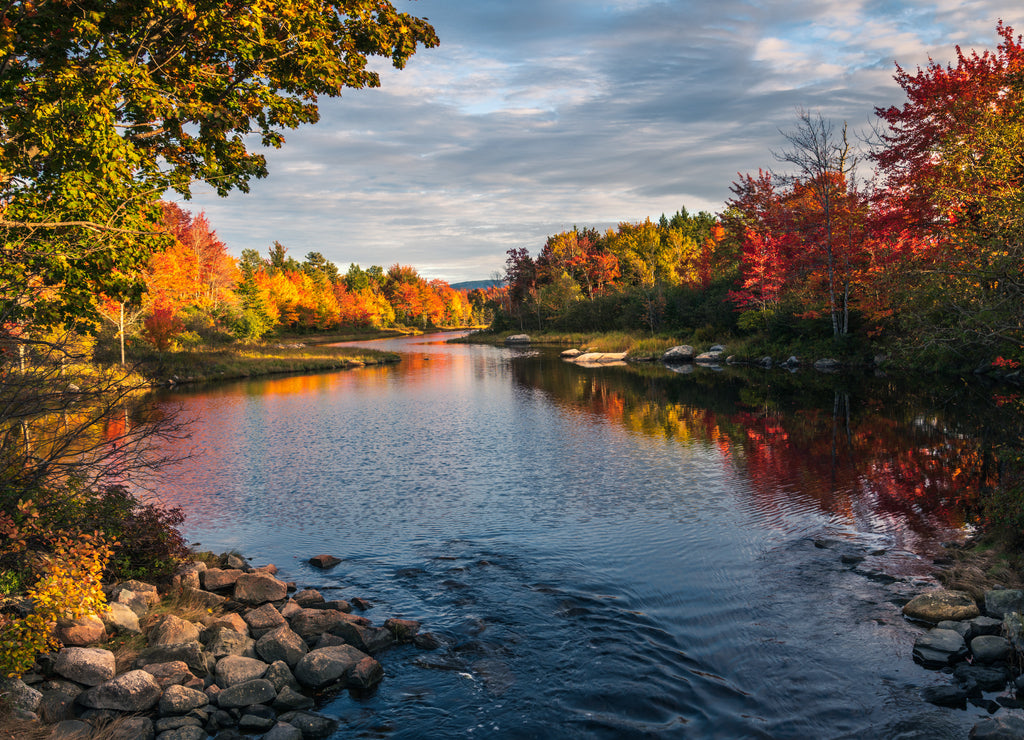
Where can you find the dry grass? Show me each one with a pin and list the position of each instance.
(977, 570)
(12, 728)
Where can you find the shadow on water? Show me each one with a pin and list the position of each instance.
(608, 552)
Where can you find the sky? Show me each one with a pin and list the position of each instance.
(534, 116)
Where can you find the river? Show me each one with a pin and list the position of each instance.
(603, 553)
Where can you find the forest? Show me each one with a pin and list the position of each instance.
(910, 242)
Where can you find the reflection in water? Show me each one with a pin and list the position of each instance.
(602, 552)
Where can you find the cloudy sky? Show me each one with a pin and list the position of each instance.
(535, 115)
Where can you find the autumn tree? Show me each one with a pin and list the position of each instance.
(952, 157)
(107, 105)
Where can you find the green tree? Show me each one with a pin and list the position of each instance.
(108, 104)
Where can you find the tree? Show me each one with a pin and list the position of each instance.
(825, 163)
(107, 105)
(953, 163)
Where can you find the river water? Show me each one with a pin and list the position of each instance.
(602, 553)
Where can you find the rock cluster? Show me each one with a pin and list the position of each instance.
(253, 665)
(976, 646)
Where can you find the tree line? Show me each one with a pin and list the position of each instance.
(911, 236)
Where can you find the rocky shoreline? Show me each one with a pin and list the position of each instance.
(226, 651)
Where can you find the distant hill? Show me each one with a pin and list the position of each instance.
(474, 284)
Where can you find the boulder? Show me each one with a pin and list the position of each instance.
(234, 669)
(570, 353)
(945, 696)
(311, 725)
(169, 673)
(172, 630)
(187, 575)
(987, 678)
(308, 598)
(712, 357)
(289, 609)
(281, 644)
(999, 603)
(985, 626)
(280, 675)
(283, 731)
(940, 605)
(216, 579)
(368, 672)
(178, 700)
(288, 699)
(325, 666)
(309, 624)
(232, 621)
(256, 589)
(323, 562)
(120, 618)
(827, 365)
(269, 569)
(679, 353)
(367, 639)
(257, 691)
(990, 648)
(189, 653)
(19, 695)
(939, 648)
(1004, 727)
(188, 732)
(518, 339)
(82, 631)
(263, 619)
(88, 666)
(204, 599)
(134, 691)
(403, 630)
(222, 641)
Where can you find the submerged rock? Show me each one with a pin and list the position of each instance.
(939, 648)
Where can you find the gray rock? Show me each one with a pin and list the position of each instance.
(518, 339)
(939, 648)
(178, 700)
(945, 696)
(367, 639)
(283, 731)
(216, 579)
(313, 726)
(225, 641)
(263, 619)
(403, 630)
(189, 653)
(1013, 629)
(55, 707)
(257, 718)
(172, 630)
(170, 673)
(134, 691)
(173, 723)
(233, 561)
(309, 624)
(325, 666)
(255, 588)
(990, 648)
(712, 357)
(88, 666)
(368, 672)
(827, 365)
(257, 691)
(281, 644)
(187, 575)
(188, 732)
(961, 628)
(19, 695)
(985, 626)
(940, 605)
(987, 678)
(235, 669)
(120, 618)
(280, 675)
(1005, 727)
(679, 353)
(290, 699)
(1001, 602)
(308, 598)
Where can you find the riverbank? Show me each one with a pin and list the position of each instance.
(223, 649)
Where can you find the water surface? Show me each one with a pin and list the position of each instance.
(602, 552)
